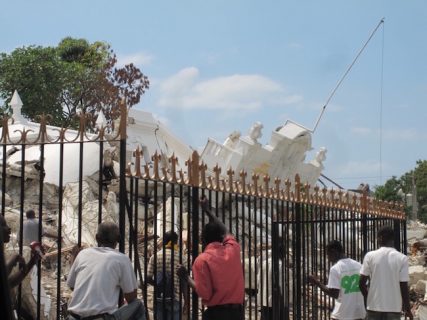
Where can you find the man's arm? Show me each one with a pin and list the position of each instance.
(202, 288)
(212, 218)
(406, 307)
(15, 259)
(130, 296)
(150, 271)
(334, 293)
(17, 277)
(363, 286)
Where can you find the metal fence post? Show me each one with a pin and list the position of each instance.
(298, 258)
(397, 237)
(364, 234)
(122, 192)
(194, 181)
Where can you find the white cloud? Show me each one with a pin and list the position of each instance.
(239, 91)
(139, 59)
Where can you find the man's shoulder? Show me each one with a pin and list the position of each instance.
(202, 258)
(103, 251)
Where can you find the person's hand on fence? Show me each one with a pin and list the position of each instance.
(18, 260)
(182, 273)
(204, 203)
(312, 279)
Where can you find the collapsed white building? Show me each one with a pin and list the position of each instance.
(282, 157)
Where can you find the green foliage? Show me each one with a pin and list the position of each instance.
(75, 75)
(36, 73)
(388, 192)
(416, 177)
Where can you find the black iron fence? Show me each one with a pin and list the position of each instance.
(282, 232)
(282, 226)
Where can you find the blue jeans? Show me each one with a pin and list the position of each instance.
(167, 311)
(131, 311)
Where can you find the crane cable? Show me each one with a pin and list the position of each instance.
(347, 71)
(381, 107)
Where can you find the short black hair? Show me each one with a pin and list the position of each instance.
(170, 236)
(386, 234)
(108, 233)
(335, 245)
(30, 213)
(213, 232)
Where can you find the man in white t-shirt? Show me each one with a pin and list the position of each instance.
(386, 270)
(96, 278)
(343, 284)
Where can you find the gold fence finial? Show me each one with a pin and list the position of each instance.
(203, 167)
(138, 154)
(230, 174)
(243, 175)
(173, 160)
(255, 178)
(156, 165)
(217, 172)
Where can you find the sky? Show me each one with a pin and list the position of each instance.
(219, 66)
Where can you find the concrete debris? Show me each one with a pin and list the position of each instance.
(417, 245)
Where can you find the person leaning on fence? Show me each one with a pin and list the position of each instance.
(343, 284)
(217, 272)
(165, 280)
(386, 270)
(96, 278)
(14, 278)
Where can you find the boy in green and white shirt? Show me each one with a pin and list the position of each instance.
(343, 284)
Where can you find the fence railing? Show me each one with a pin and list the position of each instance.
(282, 226)
(283, 229)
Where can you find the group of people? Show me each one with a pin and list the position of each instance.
(217, 277)
(100, 275)
(377, 289)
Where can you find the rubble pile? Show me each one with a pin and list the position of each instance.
(417, 253)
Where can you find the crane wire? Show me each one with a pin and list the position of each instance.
(381, 105)
(346, 73)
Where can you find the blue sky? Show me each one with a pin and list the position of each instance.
(218, 66)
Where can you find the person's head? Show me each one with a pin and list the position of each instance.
(30, 214)
(4, 229)
(334, 250)
(212, 232)
(170, 236)
(386, 236)
(108, 234)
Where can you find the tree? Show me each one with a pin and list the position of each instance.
(36, 73)
(74, 76)
(389, 191)
(416, 178)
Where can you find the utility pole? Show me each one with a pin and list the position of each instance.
(414, 199)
